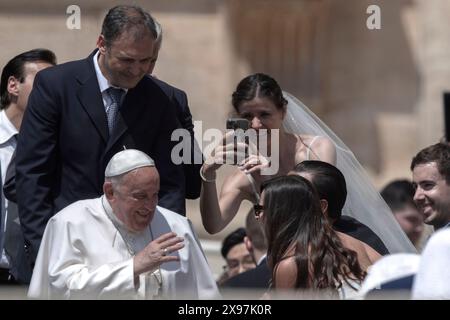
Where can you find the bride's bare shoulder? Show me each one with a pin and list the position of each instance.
(307, 139)
(320, 148)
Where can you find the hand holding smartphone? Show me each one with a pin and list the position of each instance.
(238, 123)
(239, 137)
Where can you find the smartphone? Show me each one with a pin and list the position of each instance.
(235, 124)
(238, 123)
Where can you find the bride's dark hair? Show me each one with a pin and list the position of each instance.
(293, 218)
(258, 85)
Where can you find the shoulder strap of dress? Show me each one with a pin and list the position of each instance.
(308, 150)
(253, 184)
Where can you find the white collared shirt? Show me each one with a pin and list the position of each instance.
(104, 84)
(261, 259)
(7, 146)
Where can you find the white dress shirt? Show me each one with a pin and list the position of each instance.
(432, 281)
(7, 146)
(104, 84)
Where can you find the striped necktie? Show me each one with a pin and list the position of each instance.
(116, 96)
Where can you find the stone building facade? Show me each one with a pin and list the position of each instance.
(379, 90)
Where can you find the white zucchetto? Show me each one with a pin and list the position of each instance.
(127, 160)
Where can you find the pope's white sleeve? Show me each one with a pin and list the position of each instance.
(63, 266)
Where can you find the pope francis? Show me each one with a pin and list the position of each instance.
(122, 245)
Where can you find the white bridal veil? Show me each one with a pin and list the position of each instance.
(364, 203)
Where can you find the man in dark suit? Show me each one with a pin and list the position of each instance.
(184, 116)
(259, 277)
(83, 112)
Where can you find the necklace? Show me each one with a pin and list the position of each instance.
(157, 273)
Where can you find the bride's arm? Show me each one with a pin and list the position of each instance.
(216, 211)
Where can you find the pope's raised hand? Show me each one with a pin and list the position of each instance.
(157, 252)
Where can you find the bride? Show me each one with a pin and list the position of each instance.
(301, 136)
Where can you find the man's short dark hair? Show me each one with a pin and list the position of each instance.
(329, 183)
(398, 194)
(234, 238)
(438, 153)
(16, 68)
(127, 18)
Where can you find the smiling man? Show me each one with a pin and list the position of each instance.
(122, 245)
(82, 112)
(431, 178)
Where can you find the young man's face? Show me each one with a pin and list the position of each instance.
(239, 260)
(432, 194)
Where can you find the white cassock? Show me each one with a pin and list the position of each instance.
(83, 255)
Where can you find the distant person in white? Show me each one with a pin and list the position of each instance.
(121, 245)
(433, 277)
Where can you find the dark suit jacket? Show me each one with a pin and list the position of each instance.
(14, 242)
(191, 170)
(360, 231)
(9, 185)
(257, 278)
(64, 143)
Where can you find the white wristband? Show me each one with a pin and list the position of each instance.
(203, 177)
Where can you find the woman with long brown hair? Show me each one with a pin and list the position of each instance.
(303, 250)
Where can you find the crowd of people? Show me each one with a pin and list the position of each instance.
(93, 205)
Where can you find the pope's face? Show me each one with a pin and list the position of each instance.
(135, 198)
